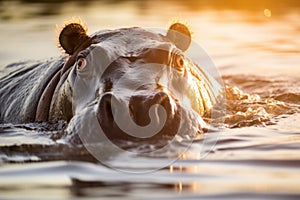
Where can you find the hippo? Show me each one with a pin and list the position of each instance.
(137, 75)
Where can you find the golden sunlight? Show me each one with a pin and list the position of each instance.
(178, 187)
(267, 12)
(171, 169)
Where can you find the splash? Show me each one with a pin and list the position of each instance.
(259, 107)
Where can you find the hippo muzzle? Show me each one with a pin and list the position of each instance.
(143, 117)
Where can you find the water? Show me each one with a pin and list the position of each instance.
(255, 46)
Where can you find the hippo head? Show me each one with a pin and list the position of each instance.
(131, 83)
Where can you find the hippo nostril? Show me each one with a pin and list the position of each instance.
(139, 107)
(164, 100)
(104, 113)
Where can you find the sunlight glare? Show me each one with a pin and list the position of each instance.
(267, 12)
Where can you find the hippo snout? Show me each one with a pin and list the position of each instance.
(143, 111)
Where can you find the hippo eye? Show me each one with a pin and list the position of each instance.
(81, 63)
(179, 62)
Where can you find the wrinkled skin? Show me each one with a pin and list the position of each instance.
(125, 82)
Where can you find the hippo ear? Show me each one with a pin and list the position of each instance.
(180, 35)
(72, 36)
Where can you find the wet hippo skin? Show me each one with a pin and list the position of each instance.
(142, 72)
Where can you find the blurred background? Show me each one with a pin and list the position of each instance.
(241, 36)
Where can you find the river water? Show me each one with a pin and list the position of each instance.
(254, 154)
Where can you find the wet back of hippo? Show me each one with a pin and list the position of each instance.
(21, 86)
